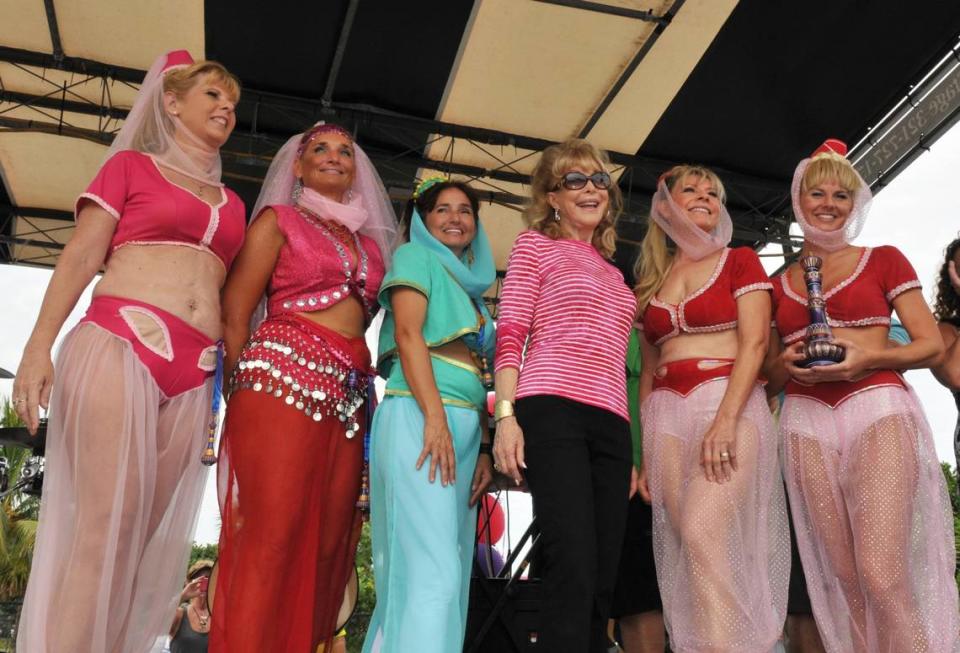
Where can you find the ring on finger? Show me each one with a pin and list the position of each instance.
(496, 467)
(724, 455)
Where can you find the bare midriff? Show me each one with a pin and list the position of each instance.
(866, 337)
(457, 350)
(346, 317)
(723, 344)
(179, 279)
(720, 344)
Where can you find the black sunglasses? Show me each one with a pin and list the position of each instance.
(577, 180)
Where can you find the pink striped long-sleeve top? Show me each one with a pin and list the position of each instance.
(572, 311)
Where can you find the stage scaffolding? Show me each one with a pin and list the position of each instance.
(399, 145)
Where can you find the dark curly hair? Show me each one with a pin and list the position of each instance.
(946, 304)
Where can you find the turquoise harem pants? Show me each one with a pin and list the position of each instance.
(422, 533)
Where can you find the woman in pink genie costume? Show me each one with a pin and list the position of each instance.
(868, 498)
(131, 407)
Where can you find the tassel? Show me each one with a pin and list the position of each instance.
(209, 456)
(485, 374)
(363, 501)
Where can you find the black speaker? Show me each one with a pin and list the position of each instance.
(503, 616)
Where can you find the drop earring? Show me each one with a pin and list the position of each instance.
(297, 190)
(556, 215)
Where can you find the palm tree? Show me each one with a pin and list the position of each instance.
(18, 529)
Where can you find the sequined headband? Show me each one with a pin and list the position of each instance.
(319, 129)
(426, 184)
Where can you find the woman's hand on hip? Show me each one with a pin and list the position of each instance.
(718, 453)
(508, 449)
(438, 447)
(482, 477)
(31, 388)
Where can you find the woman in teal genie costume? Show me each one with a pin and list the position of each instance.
(430, 449)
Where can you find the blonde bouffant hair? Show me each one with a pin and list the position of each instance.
(150, 136)
(656, 252)
(181, 80)
(556, 161)
(828, 166)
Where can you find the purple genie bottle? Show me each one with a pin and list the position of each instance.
(819, 349)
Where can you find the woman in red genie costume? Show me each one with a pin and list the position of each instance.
(293, 450)
(710, 446)
(868, 498)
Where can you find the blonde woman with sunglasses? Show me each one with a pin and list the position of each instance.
(562, 420)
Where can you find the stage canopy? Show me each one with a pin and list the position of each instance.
(477, 89)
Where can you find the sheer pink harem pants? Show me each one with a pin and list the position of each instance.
(873, 522)
(122, 488)
(722, 550)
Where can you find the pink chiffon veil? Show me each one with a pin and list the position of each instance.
(694, 241)
(381, 223)
(862, 199)
(148, 128)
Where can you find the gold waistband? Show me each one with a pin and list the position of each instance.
(459, 403)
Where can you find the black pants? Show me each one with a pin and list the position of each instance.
(578, 471)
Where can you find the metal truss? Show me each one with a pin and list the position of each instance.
(396, 143)
(31, 233)
(624, 12)
(926, 111)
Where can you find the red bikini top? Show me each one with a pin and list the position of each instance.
(315, 270)
(865, 298)
(152, 210)
(714, 306)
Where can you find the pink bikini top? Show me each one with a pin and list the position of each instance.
(315, 270)
(152, 210)
(711, 308)
(865, 298)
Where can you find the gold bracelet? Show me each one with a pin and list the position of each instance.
(502, 408)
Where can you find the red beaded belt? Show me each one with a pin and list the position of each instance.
(309, 367)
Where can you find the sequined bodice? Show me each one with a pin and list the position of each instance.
(316, 269)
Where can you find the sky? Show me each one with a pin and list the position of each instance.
(919, 212)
